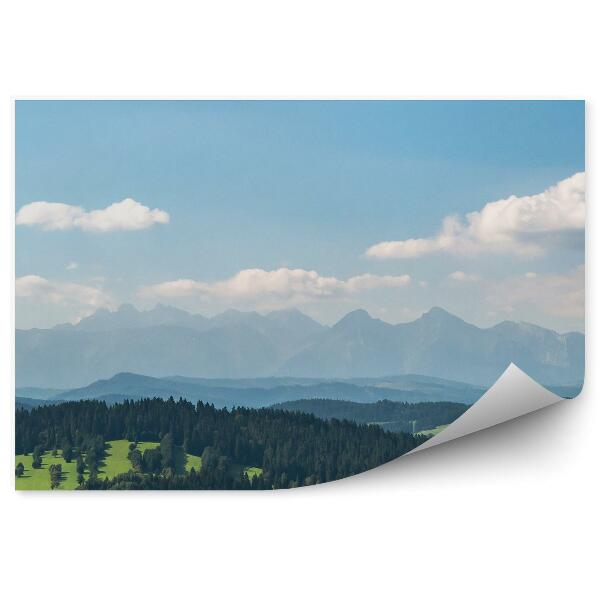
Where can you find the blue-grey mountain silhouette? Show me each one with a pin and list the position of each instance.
(167, 341)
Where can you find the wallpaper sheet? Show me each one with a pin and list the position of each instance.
(259, 295)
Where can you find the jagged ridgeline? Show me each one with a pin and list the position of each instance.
(288, 344)
(242, 448)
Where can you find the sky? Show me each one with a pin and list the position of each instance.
(326, 206)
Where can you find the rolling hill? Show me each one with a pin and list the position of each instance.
(392, 416)
(266, 392)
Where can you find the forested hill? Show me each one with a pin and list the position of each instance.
(262, 392)
(293, 449)
(392, 416)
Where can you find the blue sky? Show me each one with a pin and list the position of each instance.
(305, 186)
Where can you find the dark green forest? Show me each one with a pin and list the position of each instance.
(293, 449)
(392, 416)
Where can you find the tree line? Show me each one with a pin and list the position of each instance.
(293, 449)
(393, 416)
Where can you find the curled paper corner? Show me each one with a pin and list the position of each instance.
(513, 394)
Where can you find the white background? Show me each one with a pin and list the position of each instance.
(511, 512)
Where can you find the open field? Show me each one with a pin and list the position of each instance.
(39, 479)
(432, 432)
(116, 462)
(253, 472)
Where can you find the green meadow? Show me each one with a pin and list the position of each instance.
(116, 462)
(432, 432)
(39, 479)
(253, 472)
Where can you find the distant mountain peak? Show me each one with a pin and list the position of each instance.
(160, 307)
(290, 315)
(239, 344)
(354, 318)
(286, 311)
(437, 311)
(524, 325)
(167, 309)
(234, 312)
(121, 375)
(440, 315)
(127, 307)
(359, 313)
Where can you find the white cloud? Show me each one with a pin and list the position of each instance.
(366, 282)
(72, 265)
(555, 294)
(82, 298)
(519, 225)
(281, 286)
(126, 215)
(462, 277)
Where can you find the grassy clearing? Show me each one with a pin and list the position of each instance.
(39, 479)
(116, 462)
(193, 461)
(235, 469)
(432, 432)
(253, 472)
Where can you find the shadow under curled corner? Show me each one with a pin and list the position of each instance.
(514, 394)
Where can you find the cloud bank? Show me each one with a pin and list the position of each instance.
(280, 286)
(555, 294)
(522, 225)
(126, 215)
(83, 299)
(462, 277)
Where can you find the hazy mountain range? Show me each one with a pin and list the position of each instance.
(264, 391)
(288, 343)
